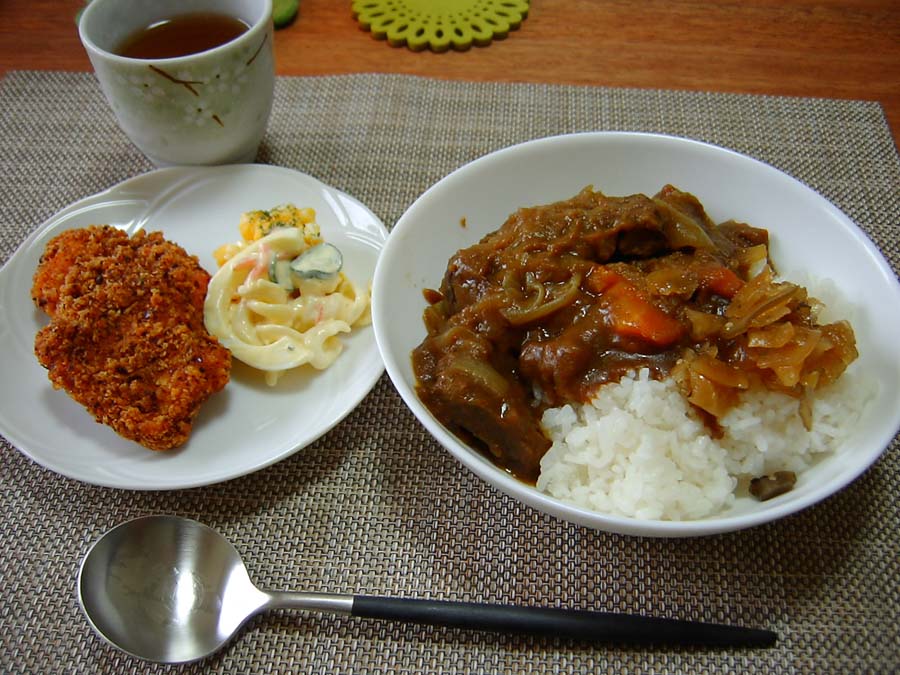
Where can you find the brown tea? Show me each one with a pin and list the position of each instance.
(181, 35)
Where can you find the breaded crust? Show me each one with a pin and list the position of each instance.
(126, 337)
(60, 255)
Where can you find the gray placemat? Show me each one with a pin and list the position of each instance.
(375, 506)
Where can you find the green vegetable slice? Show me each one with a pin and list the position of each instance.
(280, 273)
(322, 261)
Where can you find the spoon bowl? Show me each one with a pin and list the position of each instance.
(172, 590)
(166, 589)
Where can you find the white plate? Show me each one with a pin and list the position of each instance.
(809, 237)
(243, 428)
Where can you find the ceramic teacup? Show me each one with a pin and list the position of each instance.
(210, 107)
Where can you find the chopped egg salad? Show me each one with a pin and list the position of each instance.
(280, 299)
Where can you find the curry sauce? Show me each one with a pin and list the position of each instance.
(568, 296)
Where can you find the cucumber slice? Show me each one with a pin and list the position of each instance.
(280, 273)
(322, 261)
(284, 11)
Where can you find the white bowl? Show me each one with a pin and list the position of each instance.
(809, 237)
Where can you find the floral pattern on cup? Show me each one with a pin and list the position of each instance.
(202, 94)
(211, 107)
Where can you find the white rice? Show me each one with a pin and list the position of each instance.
(639, 450)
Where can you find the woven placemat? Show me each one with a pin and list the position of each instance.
(375, 506)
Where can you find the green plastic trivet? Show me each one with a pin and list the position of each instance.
(440, 24)
(284, 11)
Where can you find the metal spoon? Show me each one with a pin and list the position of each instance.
(172, 590)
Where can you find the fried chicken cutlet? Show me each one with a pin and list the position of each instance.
(126, 337)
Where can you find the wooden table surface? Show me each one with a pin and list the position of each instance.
(820, 48)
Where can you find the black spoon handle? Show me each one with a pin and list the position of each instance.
(567, 623)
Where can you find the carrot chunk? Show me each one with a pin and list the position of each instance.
(630, 312)
(721, 281)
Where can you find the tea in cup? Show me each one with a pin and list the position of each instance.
(190, 82)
